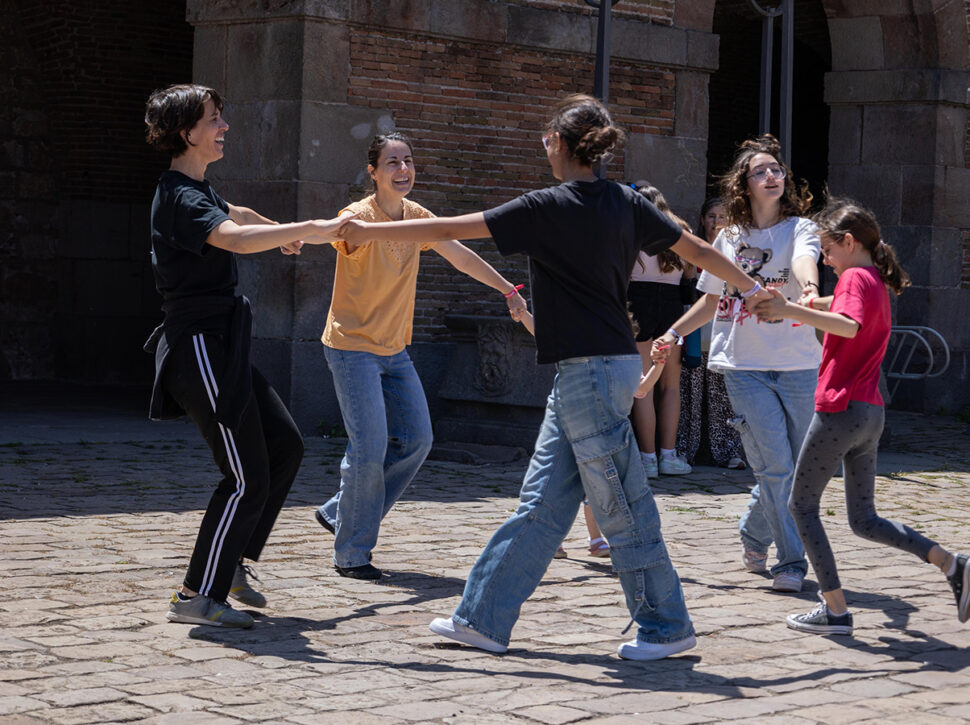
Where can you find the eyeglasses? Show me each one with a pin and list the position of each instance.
(777, 172)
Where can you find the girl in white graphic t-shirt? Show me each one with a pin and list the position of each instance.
(769, 368)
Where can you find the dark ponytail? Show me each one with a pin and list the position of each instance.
(843, 216)
(586, 127)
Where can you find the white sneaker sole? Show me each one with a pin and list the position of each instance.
(184, 619)
(452, 630)
(818, 628)
(646, 651)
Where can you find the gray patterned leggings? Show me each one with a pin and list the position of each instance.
(851, 437)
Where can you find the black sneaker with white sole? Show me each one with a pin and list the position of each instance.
(960, 583)
(821, 621)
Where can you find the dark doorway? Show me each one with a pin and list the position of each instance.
(735, 87)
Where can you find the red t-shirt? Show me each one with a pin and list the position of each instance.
(850, 366)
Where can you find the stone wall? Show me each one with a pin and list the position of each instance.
(28, 271)
(78, 295)
(472, 81)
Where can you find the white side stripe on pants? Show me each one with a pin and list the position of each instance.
(218, 539)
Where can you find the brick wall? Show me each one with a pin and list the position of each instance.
(28, 275)
(485, 105)
(84, 179)
(97, 63)
(658, 11)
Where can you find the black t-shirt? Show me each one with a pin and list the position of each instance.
(184, 212)
(582, 238)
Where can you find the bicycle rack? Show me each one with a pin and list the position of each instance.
(908, 340)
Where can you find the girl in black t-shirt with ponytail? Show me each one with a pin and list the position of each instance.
(582, 238)
(202, 366)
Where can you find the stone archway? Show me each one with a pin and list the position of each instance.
(898, 99)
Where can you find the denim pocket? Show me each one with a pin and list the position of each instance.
(751, 449)
(600, 458)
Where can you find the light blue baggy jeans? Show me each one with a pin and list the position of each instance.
(389, 435)
(773, 410)
(585, 449)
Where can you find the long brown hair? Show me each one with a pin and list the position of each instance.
(667, 260)
(795, 200)
(843, 216)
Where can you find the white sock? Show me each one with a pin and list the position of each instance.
(648, 456)
(668, 452)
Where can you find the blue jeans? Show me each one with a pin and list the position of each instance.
(773, 410)
(585, 449)
(389, 436)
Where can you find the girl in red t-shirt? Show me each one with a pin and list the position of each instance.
(849, 410)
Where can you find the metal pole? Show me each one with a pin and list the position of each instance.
(601, 76)
(767, 56)
(787, 63)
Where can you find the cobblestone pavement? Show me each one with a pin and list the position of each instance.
(94, 535)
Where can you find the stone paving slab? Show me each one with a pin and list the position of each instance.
(96, 525)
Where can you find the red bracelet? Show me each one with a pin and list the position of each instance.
(514, 290)
(810, 305)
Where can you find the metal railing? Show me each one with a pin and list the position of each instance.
(917, 353)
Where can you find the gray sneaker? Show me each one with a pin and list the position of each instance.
(240, 589)
(204, 610)
(821, 621)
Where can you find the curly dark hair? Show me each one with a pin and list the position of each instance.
(171, 110)
(795, 201)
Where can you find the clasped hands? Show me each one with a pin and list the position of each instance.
(322, 231)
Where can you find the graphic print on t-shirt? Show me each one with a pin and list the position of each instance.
(751, 260)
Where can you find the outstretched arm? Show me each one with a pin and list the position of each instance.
(435, 229)
(252, 238)
(243, 215)
(778, 308)
(465, 260)
(703, 255)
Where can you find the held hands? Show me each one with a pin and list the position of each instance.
(517, 306)
(325, 231)
(660, 350)
(291, 247)
(353, 231)
(773, 309)
(809, 292)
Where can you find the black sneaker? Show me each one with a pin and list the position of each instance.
(960, 583)
(820, 621)
(324, 523)
(367, 571)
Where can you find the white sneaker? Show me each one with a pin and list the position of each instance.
(674, 467)
(649, 465)
(637, 650)
(460, 633)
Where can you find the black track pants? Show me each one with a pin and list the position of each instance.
(258, 460)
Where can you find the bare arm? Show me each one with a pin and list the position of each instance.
(700, 313)
(703, 255)
(806, 275)
(436, 229)
(252, 238)
(465, 260)
(243, 215)
(649, 379)
(779, 308)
